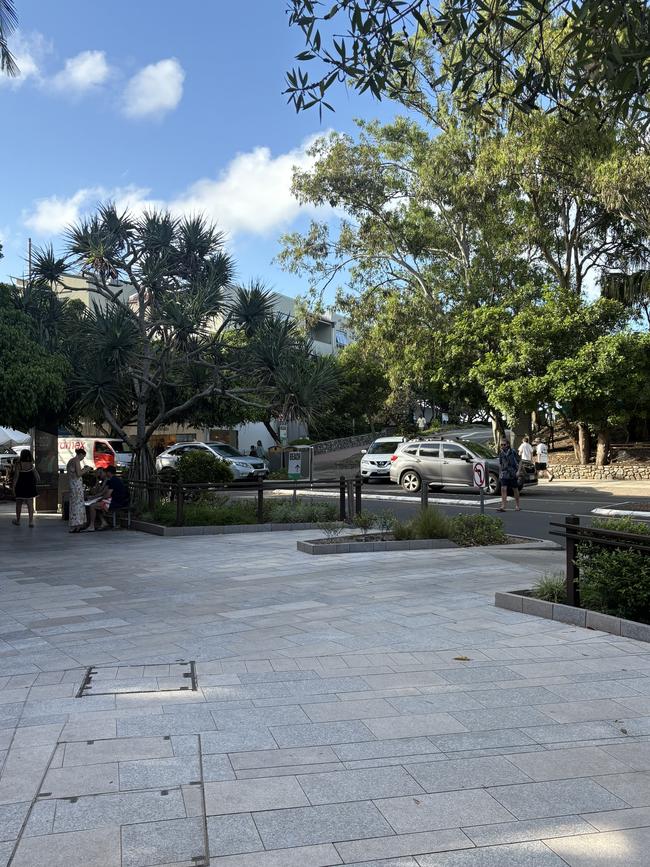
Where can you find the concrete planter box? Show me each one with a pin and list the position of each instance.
(365, 547)
(521, 602)
(162, 530)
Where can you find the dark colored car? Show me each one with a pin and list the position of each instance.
(442, 463)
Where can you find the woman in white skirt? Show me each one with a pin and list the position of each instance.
(74, 469)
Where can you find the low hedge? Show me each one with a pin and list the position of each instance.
(216, 511)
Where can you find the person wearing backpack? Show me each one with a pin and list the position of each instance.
(508, 475)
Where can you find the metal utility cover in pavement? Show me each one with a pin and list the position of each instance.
(132, 679)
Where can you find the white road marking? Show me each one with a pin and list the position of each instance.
(398, 498)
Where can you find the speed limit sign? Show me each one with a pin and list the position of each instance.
(479, 474)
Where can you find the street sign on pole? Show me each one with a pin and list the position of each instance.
(479, 478)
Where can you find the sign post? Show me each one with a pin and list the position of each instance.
(294, 465)
(479, 477)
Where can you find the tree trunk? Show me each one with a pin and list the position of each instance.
(498, 429)
(142, 472)
(274, 434)
(602, 447)
(583, 449)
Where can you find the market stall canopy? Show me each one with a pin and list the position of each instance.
(11, 437)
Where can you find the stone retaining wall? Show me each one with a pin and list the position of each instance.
(630, 472)
(360, 440)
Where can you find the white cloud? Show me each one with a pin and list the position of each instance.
(154, 90)
(28, 51)
(85, 71)
(251, 196)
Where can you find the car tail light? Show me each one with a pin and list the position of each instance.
(393, 457)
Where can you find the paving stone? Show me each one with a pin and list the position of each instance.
(234, 741)
(166, 842)
(332, 823)
(349, 710)
(484, 674)
(482, 740)
(442, 810)
(116, 750)
(12, 817)
(634, 788)
(422, 704)
(403, 844)
(465, 773)
(385, 749)
(572, 732)
(276, 758)
(516, 697)
(616, 820)
(301, 856)
(253, 795)
(97, 811)
(320, 734)
(515, 855)
(414, 725)
(635, 755)
(501, 718)
(96, 848)
(159, 773)
(239, 718)
(6, 850)
(585, 711)
(617, 849)
(534, 829)
(74, 781)
(387, 862)
(232, 835)
(557, 798)
(567, 763)
(358, 785)
(166, 724)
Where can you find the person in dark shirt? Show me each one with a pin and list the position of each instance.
(119, 491)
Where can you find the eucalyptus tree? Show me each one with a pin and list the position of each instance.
(493, 56)
(153, 343)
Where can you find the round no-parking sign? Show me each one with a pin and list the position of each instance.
(479, 474)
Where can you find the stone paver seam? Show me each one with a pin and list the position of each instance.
(31, 805)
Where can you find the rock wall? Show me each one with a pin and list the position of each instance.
(360, 440)
(630, 472)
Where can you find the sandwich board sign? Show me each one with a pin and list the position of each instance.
(294, 465)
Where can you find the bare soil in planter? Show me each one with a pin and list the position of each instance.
(388, 537)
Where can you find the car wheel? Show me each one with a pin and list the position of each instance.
(493, 484)
(411, 481)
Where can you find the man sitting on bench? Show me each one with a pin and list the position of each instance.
(119, 495)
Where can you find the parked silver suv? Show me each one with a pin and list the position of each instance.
(440, 463)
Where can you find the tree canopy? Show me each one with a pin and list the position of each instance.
(491, 56)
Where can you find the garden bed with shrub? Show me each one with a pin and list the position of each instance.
(614, 587)
(429, 529)
(220, 510)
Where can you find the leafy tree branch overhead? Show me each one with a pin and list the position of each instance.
(8, 25)
(492, 55)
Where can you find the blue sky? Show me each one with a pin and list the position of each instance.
(156, 101)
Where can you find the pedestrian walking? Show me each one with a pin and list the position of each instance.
(25, 479)
(74, 469)
(261, 451)
(541, 459)
(508, 475)
(525, 450)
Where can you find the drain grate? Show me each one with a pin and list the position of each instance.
(135, 679)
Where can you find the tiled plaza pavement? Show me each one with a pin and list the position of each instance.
(361, 709)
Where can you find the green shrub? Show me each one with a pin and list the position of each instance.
(622, 524)
(403, 531)
(384, 522)
(330, 529)
(303, 512)
(430, 524)
(303, 441)
(551, 588)
(467, 530)
(278, 475)
(364, 521)
(199, 466)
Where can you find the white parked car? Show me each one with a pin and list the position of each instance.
(242, 466)
(375, 463)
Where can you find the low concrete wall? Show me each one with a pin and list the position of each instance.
(364, 547)
(162, 530)
(630, 472)
(524, 604)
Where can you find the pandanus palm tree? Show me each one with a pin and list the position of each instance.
(8, 24)
(154, 343)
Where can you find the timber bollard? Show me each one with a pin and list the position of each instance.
(357, 494)
(572, 572)
(342, 498)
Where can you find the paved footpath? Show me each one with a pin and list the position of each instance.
(361, 709)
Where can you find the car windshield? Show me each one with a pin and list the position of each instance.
(225, 450)
(384, 448)
(120, 447)
(480, 449)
